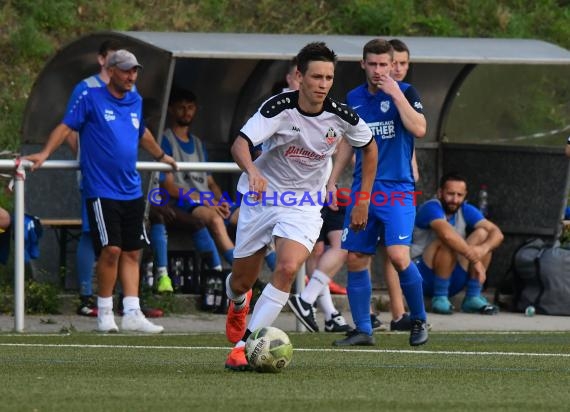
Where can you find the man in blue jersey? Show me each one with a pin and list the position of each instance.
(452, 248)
(110, 124)
(393, 111)
(400, 318)
(85, 258)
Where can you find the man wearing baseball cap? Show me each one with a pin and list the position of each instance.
(124, 60)
(110, 124)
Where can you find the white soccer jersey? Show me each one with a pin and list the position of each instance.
(297, 146)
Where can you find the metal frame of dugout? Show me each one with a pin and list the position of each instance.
(233, 73)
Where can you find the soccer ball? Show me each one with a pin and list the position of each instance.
(268, 349)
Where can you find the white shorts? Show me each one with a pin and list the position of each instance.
(259, 223)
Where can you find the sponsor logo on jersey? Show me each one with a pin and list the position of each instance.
(293, 152)
(109, 115)
(384, 130)
(295, 129)
(418, 105)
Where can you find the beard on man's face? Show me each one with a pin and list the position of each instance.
(450, 208)
(183, 122)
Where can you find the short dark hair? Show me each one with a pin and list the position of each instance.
(179, 94)
(316, 51)
(377, 46)
(399, 46)
(107, 46)
(451, 177)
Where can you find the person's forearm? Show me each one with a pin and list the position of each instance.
(342, 158)
(242, 155)
(56, 138)
(369, 166)
(149, 144)
(413, 121)
(494, 239)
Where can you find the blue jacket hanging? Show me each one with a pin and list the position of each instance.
(32, 234)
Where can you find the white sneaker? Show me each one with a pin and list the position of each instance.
(136, 322)
(106, 321)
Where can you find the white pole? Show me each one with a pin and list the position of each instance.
(19, 265)
(299, 286)
(19, 205)
(154, 166)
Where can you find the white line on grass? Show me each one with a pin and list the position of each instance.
(404, 351)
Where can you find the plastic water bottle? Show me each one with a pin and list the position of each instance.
(149, 273)
(178, 273)
(210, 290)
(218, 290)
(483, 200)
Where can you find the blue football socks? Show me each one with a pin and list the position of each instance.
(440, 286)
(229, 255)
(85, 259)
(271, 259)
(359, 291)
(473, 288)
(411, 283)
(159, 244)
(206, 246)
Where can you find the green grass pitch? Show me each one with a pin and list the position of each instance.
(166, 373)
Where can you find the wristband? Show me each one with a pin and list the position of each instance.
(159, 158)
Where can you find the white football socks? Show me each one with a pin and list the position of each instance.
(268, 307)
(319, 280)
(239, 300)
(325, 303)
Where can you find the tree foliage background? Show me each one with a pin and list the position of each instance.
(31, 31)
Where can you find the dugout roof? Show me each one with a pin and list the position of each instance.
(221, 65)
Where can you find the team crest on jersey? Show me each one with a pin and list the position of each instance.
(330, 136)
(135, 120)
(385, 106)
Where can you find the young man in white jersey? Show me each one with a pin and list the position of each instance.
(299, 131)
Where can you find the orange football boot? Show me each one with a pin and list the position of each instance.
(236, 320)
(237, 361)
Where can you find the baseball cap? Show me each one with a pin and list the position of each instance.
(124, 60)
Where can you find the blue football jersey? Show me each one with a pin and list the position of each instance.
(395, 142)
(109, 130)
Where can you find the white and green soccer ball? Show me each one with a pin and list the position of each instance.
(268, 349)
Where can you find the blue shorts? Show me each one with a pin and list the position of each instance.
(457, 282)
(390, 218)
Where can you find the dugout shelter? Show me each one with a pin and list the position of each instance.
(497, 111)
